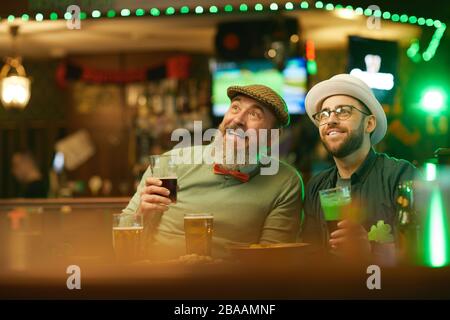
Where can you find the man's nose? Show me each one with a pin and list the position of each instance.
(332, 119)
(240, 119)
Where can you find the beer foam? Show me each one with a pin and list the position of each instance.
(128, 228)
(199, 216)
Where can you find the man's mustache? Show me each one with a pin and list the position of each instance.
(235, 127)
(235, 130)
(331, 125)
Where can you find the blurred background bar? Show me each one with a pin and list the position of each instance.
(88, 92)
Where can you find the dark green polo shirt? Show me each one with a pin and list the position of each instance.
(373, 185)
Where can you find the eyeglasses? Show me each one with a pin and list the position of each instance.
(343, 112)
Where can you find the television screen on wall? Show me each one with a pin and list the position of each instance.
(290, 83)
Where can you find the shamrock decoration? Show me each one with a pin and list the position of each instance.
(381, 232)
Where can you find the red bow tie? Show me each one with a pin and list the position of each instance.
(242, 177)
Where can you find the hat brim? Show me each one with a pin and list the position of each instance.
(328, 88)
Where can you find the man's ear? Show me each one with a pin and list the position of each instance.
(371, 123)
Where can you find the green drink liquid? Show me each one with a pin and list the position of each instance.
(334, 212)
(334, 204)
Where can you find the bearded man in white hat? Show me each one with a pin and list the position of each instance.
(350, 122)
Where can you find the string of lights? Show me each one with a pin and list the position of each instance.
(412, 52)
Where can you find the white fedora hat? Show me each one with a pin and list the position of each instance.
(348, 85)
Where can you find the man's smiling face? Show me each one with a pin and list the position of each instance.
(343, 137)
(245, 114)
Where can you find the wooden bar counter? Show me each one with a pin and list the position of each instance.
(37, 252)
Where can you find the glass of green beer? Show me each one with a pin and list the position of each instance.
(334, 203)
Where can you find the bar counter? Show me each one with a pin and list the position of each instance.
(59, 233)
(226, 282)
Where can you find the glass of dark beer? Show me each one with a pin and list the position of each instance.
(163, 167)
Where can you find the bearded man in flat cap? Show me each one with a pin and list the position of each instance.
(248, 205)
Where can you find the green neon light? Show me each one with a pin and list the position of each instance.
(140, 12)
(198, 9)
(403, 18)
(413, 51)
(67, 16)
(433, 100)
(430, 171)
(289, 6)
(96, 14)
(170, 11)
(368, 12)
(243, 7)
(434, 43)
(125, 12)
(311, 67)
(412, 19)
(259, 7)
(436, 232)
(155, 12)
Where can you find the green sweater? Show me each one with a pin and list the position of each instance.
(266, 209)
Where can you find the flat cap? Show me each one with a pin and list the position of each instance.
(265, 96)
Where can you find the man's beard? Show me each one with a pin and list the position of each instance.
(352, 143)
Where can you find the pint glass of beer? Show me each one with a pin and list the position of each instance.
(198, 229)
(334, 203)
(163, 167)
(127, 237)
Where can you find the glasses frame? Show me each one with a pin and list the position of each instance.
(337, 114)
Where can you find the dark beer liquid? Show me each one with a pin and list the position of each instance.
(332, 225)
(171, 184)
